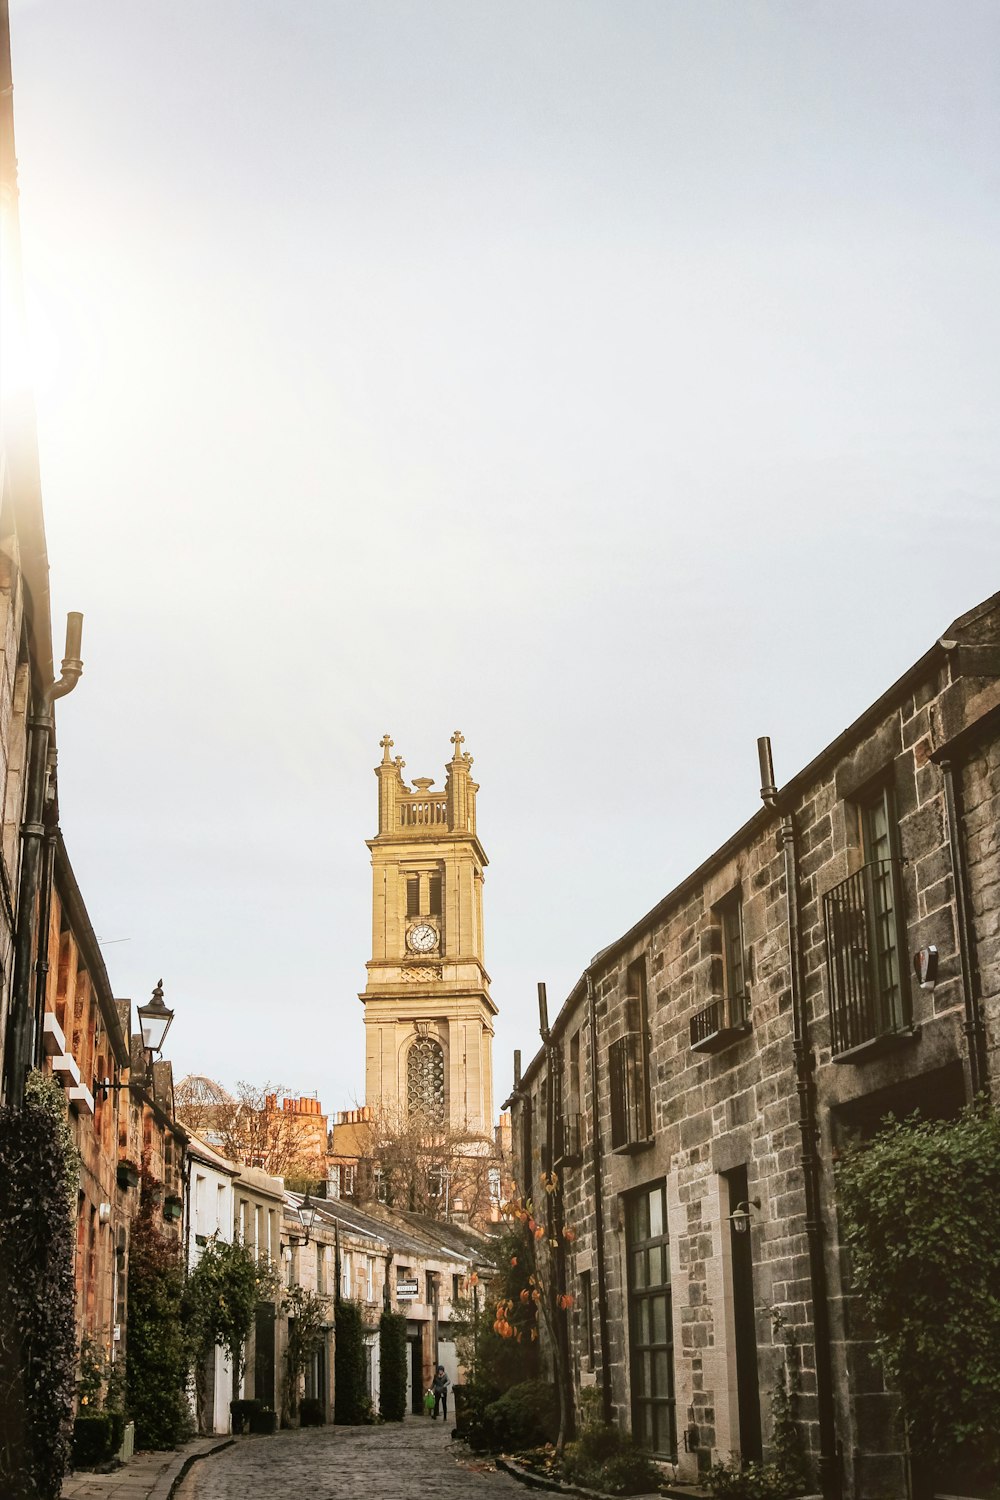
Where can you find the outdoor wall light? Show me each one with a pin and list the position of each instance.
(740, 1216)
(154, 1020)
(154, 1023)
(307, 1215)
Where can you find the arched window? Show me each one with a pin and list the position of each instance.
(425, 1079)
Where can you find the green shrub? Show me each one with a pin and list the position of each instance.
(392, 1366)
(921, 1211)
(629, 1473)
(157, 1367)
(352, 1404)
(93, 1439)
(39, 1177)
(311, 1413)
(241, 1413)
(605, 1458)
(524, 1417)
(751, 1481)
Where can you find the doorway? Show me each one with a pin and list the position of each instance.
(744, 1319)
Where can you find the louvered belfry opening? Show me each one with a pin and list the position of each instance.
(425, 1079)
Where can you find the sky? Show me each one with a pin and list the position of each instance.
(613, 380)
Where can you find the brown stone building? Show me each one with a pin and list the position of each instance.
(764, 1012)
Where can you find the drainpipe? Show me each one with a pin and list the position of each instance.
(20, 1036)
(975, 1032)
(602, 1306)
(829, 1476)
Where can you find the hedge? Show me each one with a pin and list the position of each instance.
(392, 1366)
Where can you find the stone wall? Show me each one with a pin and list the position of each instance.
(715, 1114)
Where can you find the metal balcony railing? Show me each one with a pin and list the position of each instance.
(869, 998)
(720, 1024)
(629, 1098)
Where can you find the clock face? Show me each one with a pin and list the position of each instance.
(422, 938)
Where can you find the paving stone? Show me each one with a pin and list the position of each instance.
(412, 1460)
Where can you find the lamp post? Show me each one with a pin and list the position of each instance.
(154, 1020)
(307, 1215)
(154, 1023)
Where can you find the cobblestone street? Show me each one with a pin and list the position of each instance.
(405, 1461)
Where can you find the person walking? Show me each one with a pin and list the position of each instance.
(440, 1388)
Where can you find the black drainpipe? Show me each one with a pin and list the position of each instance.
(975, 1032)
(602, 1305)
(829, 1468)
(28, 936)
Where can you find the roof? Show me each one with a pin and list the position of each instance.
(968, 627)
(203, 1152)
(409, 1234)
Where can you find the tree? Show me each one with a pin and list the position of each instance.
(219, 1304)
(308, 1316)
(921, 1212)
(392, 1366)
(352, 1404)
(252, 1127)
(416, 1163)
(542, 1247)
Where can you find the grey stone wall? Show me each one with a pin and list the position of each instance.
(739, 1107)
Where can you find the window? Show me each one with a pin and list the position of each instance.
(381, 1186)
(430, 1280)
(456, 1287)
(869, 994)
(727, 1018)
(321, 1268)
(425, 1079)
(734, 984)
(631, 1115)
(526, 1147)
(413, 895)
(493, 1175)
(587, 1312)
(345, 1274)
(369, 1278)
(434, 892)
(651, 1321)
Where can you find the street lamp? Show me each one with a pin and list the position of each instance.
(154, 1023)
(307, 1215)
(740, 1216)
(154, 1020)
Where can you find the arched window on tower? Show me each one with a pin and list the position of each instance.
(425, 1079)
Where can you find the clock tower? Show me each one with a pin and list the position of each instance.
(428, 1012)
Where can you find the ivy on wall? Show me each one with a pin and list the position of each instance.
(158, 1352)
(921, 1209)
(39, 1181)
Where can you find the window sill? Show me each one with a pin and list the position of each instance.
(876, 1046)
(632, 1148)
(726, 1036)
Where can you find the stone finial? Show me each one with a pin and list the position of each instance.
(458, 740)
(386, 744)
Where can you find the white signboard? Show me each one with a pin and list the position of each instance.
(407, 1291)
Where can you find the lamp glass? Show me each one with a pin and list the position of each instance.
(154, 1021)
(307, 1213)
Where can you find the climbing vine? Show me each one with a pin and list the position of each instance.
(39, 1180)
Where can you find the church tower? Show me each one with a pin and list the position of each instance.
(428, 1012)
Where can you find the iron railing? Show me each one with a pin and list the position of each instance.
(629, 1099)
(719, 1024)
(868, 993)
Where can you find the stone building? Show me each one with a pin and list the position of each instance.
(430, 1271)
(763, 1013)
(428, 1011)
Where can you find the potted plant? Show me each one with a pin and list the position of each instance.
(128, 1174)
(263, 1421)
(173, 1207)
